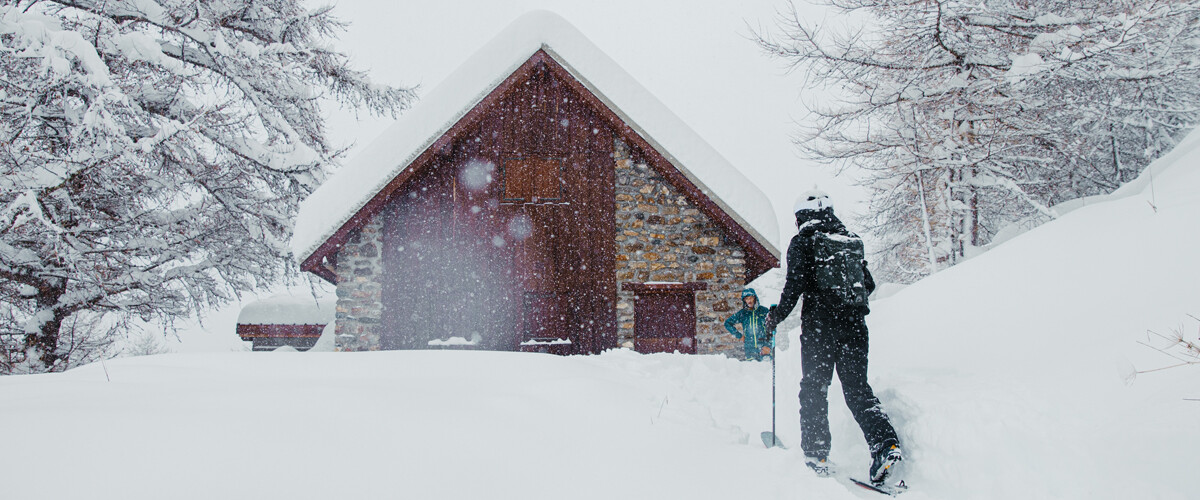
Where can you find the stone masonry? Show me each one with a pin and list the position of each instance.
(661, 236)
(359, 288)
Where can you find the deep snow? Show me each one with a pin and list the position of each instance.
(1012, 375)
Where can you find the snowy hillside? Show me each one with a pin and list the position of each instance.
(1008, 377)
(1015, 373)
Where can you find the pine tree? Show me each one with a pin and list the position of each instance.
(969, 117)
(154, 154)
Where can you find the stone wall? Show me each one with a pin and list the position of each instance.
(359, 289)
(661, 236)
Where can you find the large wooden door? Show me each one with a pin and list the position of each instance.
(419, 282)
(440, 279)
(538, 210)
(558, 181)
(515, 225)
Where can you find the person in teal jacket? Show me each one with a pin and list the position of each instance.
(756, 339)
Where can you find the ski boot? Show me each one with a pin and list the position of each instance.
(883, 462)
(819, 465)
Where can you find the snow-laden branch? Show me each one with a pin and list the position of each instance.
(154, 153)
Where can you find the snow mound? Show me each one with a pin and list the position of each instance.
(333, 204)
(400, 424)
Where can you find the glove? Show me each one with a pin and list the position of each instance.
(772, 322)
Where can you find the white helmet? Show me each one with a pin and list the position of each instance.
(814, 199)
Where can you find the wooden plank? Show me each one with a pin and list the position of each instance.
(254, 331)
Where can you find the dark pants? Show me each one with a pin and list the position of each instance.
(837, 341)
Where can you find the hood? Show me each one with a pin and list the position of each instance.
(809, 221)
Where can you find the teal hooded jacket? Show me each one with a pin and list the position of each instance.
(754, 332)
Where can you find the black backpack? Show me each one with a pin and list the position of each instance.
(838, 268)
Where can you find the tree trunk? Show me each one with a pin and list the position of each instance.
(925, 224)
(41, 346)
(974, 208)
(955, 216)
(1116, 159)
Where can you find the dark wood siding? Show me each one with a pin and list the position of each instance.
(267, 337)
(508, 232)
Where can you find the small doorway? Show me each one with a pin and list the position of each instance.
(664, 316)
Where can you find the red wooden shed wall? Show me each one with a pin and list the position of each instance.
(463, 259)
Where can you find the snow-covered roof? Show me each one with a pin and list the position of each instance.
(287, 309)
(348, 190)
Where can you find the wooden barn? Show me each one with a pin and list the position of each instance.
(539, 200)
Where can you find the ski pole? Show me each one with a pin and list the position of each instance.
(774, 355)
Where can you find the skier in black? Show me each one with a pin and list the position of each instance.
(825, 266)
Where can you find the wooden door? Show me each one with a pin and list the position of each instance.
(665, 322)
(419, 285)
(558, 183)
(536, 207)
(531, 244)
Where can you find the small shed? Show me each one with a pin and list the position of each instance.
(538, 200)
(285, 320)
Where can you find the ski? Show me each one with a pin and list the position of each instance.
(889, 490)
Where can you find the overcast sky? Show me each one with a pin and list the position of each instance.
(696, 56)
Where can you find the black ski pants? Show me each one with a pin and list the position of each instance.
(837, 340)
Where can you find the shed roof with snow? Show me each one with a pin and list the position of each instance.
(350, 195)
(285, 320)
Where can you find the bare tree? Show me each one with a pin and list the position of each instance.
(967, 117)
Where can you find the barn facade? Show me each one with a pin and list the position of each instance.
(542, 217)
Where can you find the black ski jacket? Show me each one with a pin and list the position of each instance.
(800, 280)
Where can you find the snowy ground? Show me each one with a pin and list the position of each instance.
(1010, 376)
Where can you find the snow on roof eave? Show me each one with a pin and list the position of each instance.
(666, 153)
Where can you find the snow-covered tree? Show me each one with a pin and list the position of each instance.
(153, 154)
(970, 116)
